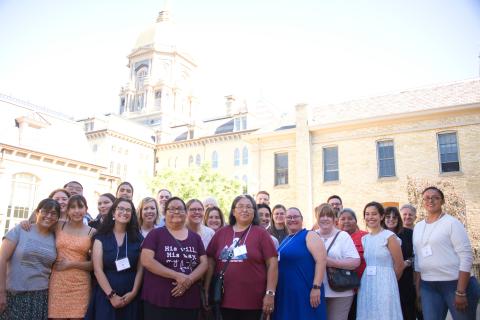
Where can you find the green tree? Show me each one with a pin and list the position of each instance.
(198, 182)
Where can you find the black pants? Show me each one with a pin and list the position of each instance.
(236, 314)
(152, 312)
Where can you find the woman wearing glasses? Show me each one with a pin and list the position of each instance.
(115, 257)
(195, 215)
(174, 259)
(29, 257)
(443, 261)
(251, 275)
(301, 267)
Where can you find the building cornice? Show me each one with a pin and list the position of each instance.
(104, 132)
(230, 136)
(47, 158)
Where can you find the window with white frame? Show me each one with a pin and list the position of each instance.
(245, 155)
(448, 152)
(236, 157)
(386, 158)
(281, 168)
(330, 164)
(214, 159)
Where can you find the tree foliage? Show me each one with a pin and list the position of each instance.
(198, 182)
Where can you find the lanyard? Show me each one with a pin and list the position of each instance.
(126, 247)
(290, 238)
(433, 229)
(246, 236)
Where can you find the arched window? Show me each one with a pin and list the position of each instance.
(190, 161)
(214, 159)
(198, 160)
(22, 199)
(245, 155)
(236, 157)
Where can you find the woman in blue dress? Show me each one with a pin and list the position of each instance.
(378, 297)
(302, 261)
(115, 257)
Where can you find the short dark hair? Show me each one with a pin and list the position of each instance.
(396, 213)
(334, 197)
(435, 189)
(173, 199)
(133, 230)
(263, 205)
(109, 196)
(263, 192)
(122, 184)
(231, 218)
(375, 204)
(48, 204)
(66, 184)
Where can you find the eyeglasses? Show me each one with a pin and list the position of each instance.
(433, 199)
(293, 217)
(177, 210)
(122, 210)
(46, 213)
(195, 209)
(243, 207)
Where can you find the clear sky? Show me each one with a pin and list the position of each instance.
(70, 55)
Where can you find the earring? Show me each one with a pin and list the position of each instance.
(113, 218)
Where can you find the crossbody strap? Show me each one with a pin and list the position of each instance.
(331, 244)
(230, 256)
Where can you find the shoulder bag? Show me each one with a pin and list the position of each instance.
(341, 279)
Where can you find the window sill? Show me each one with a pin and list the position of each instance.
(330, 183)
(387, 179)
(450, 174)
(281, 186)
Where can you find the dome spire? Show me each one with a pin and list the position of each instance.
(164, 15)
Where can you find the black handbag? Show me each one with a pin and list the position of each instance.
(341, 279)
(216, 284)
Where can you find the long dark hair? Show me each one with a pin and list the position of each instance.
(394, 212)
(231, 218)
(132, 227)
(377, 205)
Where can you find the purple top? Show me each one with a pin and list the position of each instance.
(157, 289)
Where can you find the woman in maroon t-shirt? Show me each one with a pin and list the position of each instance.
(174, 260)
(251, 275)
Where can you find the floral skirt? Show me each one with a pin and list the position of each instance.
(26, 305)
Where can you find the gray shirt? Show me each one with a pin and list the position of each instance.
(30, 266)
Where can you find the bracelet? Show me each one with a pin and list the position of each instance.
(111, 294)
(460, 294)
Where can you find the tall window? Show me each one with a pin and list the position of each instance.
(386, 159)
(198, 160)
(236, 157)
(214, 159)
(245, 155)
(330, 164)
(22, 199)
(281, 168)
(190, 161)
(245, 183)
(448, 152)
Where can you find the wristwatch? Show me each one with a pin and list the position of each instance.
(316, 286)
(270, 293)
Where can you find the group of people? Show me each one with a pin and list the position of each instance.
(164, 259)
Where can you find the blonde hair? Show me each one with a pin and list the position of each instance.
(140, 209)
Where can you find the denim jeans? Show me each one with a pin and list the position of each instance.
(438, 297)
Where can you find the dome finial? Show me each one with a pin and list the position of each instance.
(164, 15)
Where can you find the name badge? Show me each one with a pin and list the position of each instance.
(371, 271)
(240, 250)
(122, 264)
(427, 251)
